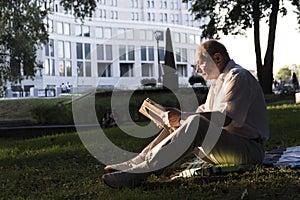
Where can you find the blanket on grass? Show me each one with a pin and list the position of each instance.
(279, 158)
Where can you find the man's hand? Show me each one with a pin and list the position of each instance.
(172, 118)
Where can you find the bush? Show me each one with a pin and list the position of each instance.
(148, 82)
(197, 79)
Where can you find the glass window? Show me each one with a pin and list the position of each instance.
(143, 53)
(183, 38)
(104, 70)
(86, 31)
(100, 52)
(182, 70)
(161, 53)
(60, 49)
(59, 27)
(51, 48)
(149, 35)
(88, 69)
(131, 52)
(126, 69)
(80, 68)
(66, 29)
(99, 32)
(67, 49)
(79, 51)
(61, 68)
(121, 33)
(68, 67)
(184, 55)
(147, 70)
(78, 30)
(142, 34)
(107, 33)
(47, 67)
(87, 51)
(108, 52)
(178, 59)
(129, 34)
(122, 52)
(151, 53)
(177, 37)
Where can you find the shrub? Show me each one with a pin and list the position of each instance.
(148, 82)
(197, 79)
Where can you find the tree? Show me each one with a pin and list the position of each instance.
(284, 74)
(234, 17)
(23, 31)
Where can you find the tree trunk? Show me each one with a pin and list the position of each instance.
(256, 17)
(267, 80)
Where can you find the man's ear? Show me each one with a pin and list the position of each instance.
(217, 58)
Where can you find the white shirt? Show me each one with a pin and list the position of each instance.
(237, 94)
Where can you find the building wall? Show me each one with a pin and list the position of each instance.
(131, 25)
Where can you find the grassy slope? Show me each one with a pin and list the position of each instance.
(59, 167)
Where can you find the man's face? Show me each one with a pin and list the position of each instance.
(206, 66)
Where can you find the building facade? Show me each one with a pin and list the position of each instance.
(119, 46)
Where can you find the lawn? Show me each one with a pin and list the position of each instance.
(59, 167)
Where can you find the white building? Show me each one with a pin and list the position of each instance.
(117, 46)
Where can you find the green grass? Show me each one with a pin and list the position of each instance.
(59, 167)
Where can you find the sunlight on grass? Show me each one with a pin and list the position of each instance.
(59, 167)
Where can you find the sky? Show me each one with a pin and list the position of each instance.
(287, 44)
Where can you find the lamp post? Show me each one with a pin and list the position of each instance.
(157, 37)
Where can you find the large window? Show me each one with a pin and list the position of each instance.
(126, 69)
(147, 53)
(147, 70)
(127, 52)
(49, 64)
(104, 52)
(83, 59)
(82, 30)
(64, 55)
(182, 70)
(104, 69)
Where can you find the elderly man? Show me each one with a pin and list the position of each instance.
(229, 128)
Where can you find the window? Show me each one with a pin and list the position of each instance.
(81, 30)
(49, 48)
(49, 67)
(88, 69)
(147, 53)
(147, 70)
(80, 68)
(142, 34)
(143, 53)
(121, 33)
(67, 49)
(129, 34)
(79, 51)
(101, 54)
(108, 52)
(87, 51)
(59, 26)
(60, 50)
(107, 33)
(151, 53)
(104, 69)
(66, 29)
(182, 70)
(181, 55)
(131, 52)
(122, 52)
(126, 69)
(99, 32)
(61, 68)
(68, 67)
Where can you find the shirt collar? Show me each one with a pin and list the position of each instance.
(231, 64)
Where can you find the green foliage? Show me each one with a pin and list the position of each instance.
(23, 31)
(197, 79)
(284, 74)
(148, 82)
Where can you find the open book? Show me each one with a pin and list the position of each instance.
(154, 112)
